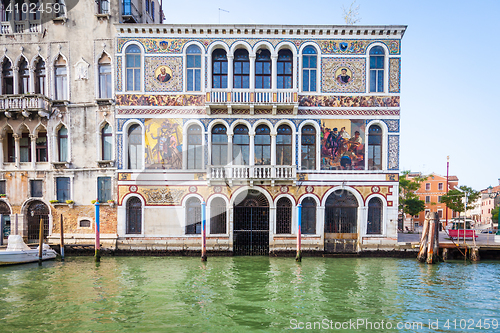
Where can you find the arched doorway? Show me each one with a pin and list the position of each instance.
(5, 212)
(341, 222)
(251, 224)
(37, 210)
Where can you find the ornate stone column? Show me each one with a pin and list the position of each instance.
(230, 59)
(274, 68)
(252, 72)
(17, 149)
(33, 138)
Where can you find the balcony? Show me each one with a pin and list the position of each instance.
(130, 13)
(251, 100)
(252, 173)
(24, 104)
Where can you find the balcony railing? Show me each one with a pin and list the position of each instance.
(251, 97)
(252, 172)
(24, 103)
(5, 28)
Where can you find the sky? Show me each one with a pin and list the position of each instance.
(450, 73)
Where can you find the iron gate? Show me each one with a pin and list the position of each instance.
(37, 210)
(251, 225)
(341, 220)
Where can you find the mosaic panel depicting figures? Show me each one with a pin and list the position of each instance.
(349, 101)
(342, 144)
(163, 74)
(163, 140)
(341, 75)
(160, 100)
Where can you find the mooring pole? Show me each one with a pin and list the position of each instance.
(298, 257)
(40, 242)
(1, 229)
(97, 240)
(62, 239)
(203, 232)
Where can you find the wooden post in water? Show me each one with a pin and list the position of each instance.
(62, 239)
(298, 257)
(422, 253)
(40, 243)
(97, 239)
(203, 232)
(431, 241)
(474, 254)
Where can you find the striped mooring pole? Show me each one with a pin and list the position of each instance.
(203, 232)
(97, 240)
(298, 257)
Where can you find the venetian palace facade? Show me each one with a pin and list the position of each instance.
(252, 121)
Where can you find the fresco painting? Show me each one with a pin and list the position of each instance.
(342, 144)
(163, 143)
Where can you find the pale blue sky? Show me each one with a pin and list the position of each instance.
(450, 71)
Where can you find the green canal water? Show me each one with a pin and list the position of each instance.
(249, 294)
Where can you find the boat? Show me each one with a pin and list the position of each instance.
(18, 252)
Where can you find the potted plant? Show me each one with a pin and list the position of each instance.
(3, 195)
(70, 203)
(111, 203)
(54, 201)
(93, 202)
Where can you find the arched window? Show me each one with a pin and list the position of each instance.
(377, 56)
(62, 144)
(241, 69)
(284, 145)
(193, 68)
(105, 77)
(135, 147)
(375, 148)
(219, 69)
(133, 68)
(308, 222)
(41, 146)
(24, 76)
(341, 212)
(308, 148)
(218, 216)
(263, 69)
(374, 223)
(219, 145)
(106, 143)
(5, 211)
(241, 145)
(284, 216)
(7, 78)
(40, 75)
(134, 216)
(25, 146)
(285, 61)
(193, 216)
(262, 145)
(309, 68)
(61, 76)
(195, 149)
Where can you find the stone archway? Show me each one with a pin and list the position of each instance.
(35, 211)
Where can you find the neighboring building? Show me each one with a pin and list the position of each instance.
(490, 199)
(431, 191)
(57, 121)
(254, 120)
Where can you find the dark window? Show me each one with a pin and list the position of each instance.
(133, 68)
(262, 145)
(102, 6)
(308, 147)
(241, 69)
(20, 12)
(62, 142)
(36, 187)
(195, 149)
(105, 77)
(25, 147)
(107, 142)
(218, 216)
(427, 199)
(63, 189)
(193, 54)
(374, 223)
(85, 223)
(427, 186)
(375, 148)
(284, 216)
(284, 145)
(309, 68)
(11, 148)
(377, 55)
(103, 189)
(134, 147)
(440, 214)
(153, 10)
(284, 64)
(241, 145)
(219, 69)
(34, 10)
(219, 145)
(24, 75)
(263, 69)
(134, 216)
(41, 147)
(61, 74)
(7, 78)
(308, 223)
(40, 75)
(193, 216)
(59, 4)
(439, 199)
(440, 186)
(147, 6)
(2, 187)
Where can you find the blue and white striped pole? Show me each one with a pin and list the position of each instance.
(203, 232)
(298, 257)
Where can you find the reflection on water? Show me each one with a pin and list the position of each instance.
(240, 294)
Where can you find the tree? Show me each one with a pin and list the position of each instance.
(454, 198)
(494, 214)
(409, 203)
(414, 206)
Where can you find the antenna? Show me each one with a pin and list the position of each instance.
(222, 10)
